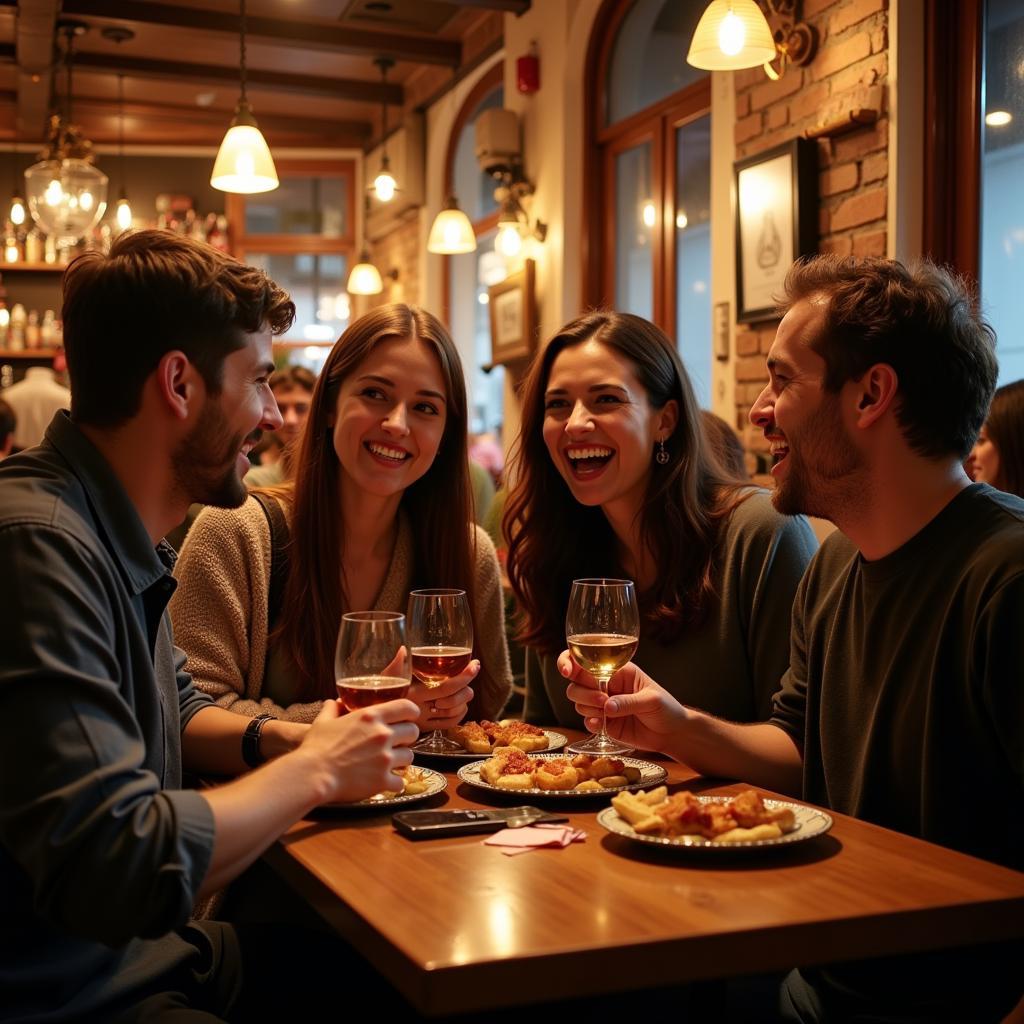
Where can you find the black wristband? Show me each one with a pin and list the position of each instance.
(251, 741)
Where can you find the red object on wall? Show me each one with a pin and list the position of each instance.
(528, 73)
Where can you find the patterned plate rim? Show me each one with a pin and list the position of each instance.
(437, 783)
(806, 816)
(556, 741)
(657, 775)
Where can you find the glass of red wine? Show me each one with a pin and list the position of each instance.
(440, 645)
(371, 665)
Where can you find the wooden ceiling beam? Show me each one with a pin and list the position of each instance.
(209, 74)
(516, 7)
(281, 32)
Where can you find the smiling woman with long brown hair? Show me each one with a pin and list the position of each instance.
(379, 505)
(615, 477)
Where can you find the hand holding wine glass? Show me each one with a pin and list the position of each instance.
(441, 647)
(602, 627)
(371, 664)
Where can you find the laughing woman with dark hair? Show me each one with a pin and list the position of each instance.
(615, 477)
(379, 505)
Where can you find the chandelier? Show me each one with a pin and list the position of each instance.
(66, 192)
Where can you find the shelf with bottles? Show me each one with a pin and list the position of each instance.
(40, 354)
(38, 268)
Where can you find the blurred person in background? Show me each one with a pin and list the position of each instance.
(725, 443)
(34, 400)
(998, 455)
(293, 390)
(8, 422)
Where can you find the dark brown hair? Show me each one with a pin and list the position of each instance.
(293, 377)
(156, 292)
(725, 444)
(438, 504)
(8, 422)
(553, 540)
(1005, 428)
(924, 322)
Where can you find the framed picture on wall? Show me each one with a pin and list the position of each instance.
(776, 222)
(513, 317)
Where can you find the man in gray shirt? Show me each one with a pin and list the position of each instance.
(102, 852)
(902, 703)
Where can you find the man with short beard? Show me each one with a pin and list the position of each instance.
(102, 850)
(902, 704)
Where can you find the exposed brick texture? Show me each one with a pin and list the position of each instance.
(849, 71)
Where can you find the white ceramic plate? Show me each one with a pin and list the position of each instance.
(436, 783)
(810, 822)
(650, 775)
(555, 742)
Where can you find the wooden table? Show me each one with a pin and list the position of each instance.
(457, 926)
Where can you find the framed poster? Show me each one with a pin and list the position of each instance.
(513, 316)
(776, 223)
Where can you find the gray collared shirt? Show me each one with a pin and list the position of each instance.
(101, 850)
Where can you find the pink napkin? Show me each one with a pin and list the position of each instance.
(534, 837)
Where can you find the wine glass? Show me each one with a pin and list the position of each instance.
(602, 628)
(371, 664)
(441, 644)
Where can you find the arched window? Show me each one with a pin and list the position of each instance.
(648, 204)
(468, 277)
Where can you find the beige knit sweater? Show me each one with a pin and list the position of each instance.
(219, 612)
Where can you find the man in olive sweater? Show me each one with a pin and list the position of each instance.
(902, 703)
(102, 850)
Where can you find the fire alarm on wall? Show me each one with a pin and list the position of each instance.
(528, 72)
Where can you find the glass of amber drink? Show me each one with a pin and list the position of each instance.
(371, 665)
(602, 628)
(440, 645)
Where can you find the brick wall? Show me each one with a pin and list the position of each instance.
(399, 250)
(849, 71)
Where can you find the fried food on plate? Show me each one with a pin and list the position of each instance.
(484, 737)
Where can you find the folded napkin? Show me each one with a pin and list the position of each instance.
(534, 837)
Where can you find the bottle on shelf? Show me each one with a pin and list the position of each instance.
(5, 323)
(34, 246)
(50, 249)
(32, 329)
(46, 329)
(16, 335)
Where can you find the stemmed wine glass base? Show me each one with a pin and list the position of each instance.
(438, 743)
(600, 746)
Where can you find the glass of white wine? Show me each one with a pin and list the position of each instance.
(602, 628)
(371, 665)
(441, 645)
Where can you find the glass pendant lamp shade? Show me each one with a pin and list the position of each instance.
(244, 163)
(451, 233)
(508, 241)
(731, 34)
(384, 185)
(365, 277)
(66, 197)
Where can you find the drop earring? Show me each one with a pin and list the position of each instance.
(661, 456)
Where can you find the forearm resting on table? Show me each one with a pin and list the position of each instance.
(252, 811)
(762, 754)
(211, 743)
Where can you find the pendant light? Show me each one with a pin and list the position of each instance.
(66, 193)
(123, 213)
(365, 278)
(17, 211)
(384, 185)
(730, 35)
(451, 233)
(244, 163)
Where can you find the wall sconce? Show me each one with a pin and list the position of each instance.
(735, 34)
(451, 232)
(513, 221)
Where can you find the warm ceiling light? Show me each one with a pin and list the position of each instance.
(730, 35)
(365, 277)
(66, 194)
(451, 232)
(647, 214)
(17, 211)
(998, 118)
(384, 185)
(682, 220)
(123, 213)
(244, 163)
